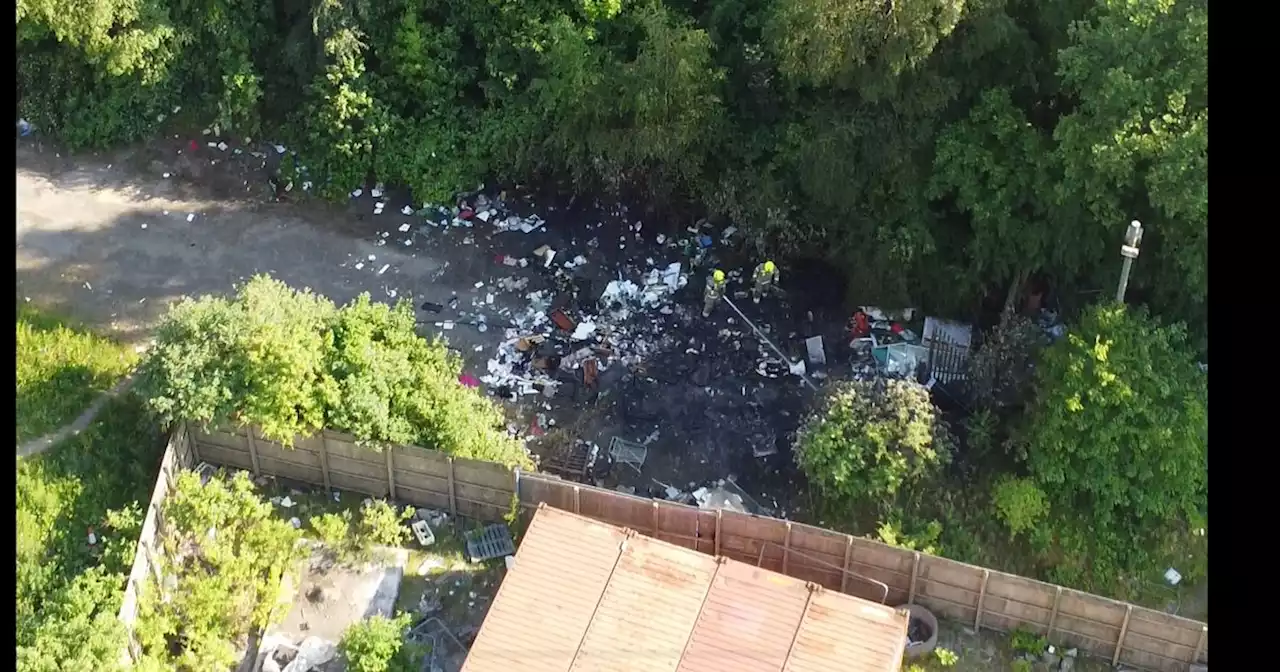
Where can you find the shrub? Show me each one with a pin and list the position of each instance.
(377, 644)
(1019, 503)
(867, 441)
(225, 555)
(1001, 371)
(291, 363)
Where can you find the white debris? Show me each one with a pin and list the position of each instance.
(144, 226)
(480, 284)
(312, 653)
(191, 218)
(375, 192)
(583, 331)
(359, 265)
(280, 149)
(286, 502)
(356, 193)
(373, 257)
(484, 216)
(222, 146)
(383, 269)
(404, 228)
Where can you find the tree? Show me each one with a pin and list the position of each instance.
(869, 441)
(1117, 439)
(225, 556)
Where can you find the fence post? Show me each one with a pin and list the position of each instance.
(1053, 615)
(848, 557)
(915, 571)
(391, 472)
(191, 443)
(453, 494)
(324, 460)
(719, 517)
(253, 451)
(786, 549)
(1204, 633)
(1124, 630)
(982, 595)
(655, 519)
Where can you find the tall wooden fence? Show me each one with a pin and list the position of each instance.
(1097, 626)
(178, 455)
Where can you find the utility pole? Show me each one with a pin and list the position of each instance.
(768, 342)
(1132, 239)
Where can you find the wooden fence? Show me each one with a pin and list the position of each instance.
(178, 455)
(1097, 626)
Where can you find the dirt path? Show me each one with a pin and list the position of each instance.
(75, 426)
(113, 247)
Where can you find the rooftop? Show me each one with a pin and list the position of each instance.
(585, 595)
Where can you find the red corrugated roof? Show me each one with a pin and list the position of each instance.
(587, 596)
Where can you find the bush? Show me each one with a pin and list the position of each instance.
(1019, 503)
(225, 556)
(1117, 440)
(291, 363)
(380, 524)
(68, 592)
(377, 644)
(868, 441)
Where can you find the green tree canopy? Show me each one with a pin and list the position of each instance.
(1117, 439)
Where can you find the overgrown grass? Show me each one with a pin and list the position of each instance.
(61, 368)
(69, 591)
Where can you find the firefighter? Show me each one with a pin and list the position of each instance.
(714, 292)
(765, 277)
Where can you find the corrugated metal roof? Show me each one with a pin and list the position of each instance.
(587, 596)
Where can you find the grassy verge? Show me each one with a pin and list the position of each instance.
(61, 369)
(68, 590)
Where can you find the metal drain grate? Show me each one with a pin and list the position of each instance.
(494, 541)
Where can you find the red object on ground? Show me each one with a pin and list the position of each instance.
(191, 145)
(468, 380)
(466, 213)
(561, 320)
(896, 328)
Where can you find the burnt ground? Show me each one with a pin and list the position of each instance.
(114, 238)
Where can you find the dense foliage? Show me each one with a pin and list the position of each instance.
(940, 149)
(291, 363)
(1117, 439)
(870, 441)
(68, 590)
(225, 553)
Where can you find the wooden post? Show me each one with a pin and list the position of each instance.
(453, 494)
(848, 557)
(786, 549)
(391, 472)
(1124, 630)
(577, 499)
(1053, 615)
(915, 571)
(655, 519)
(1204, 634)
(719, 517)
(253, 450)
(982, 595)
(324, 461)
